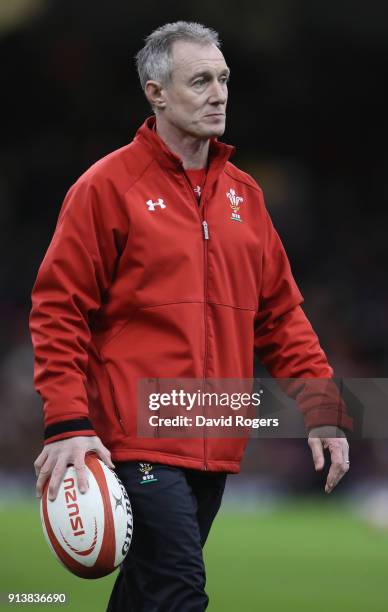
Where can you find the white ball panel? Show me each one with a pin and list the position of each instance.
(77, 519)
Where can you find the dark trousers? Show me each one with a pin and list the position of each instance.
(173, 510)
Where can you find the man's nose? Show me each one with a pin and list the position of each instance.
(218, 94)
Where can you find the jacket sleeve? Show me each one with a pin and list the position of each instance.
(286, 343)
(70, 287)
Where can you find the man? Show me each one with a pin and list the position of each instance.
(165, 264)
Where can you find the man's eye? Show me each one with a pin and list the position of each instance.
(199, 82)
(224, 79)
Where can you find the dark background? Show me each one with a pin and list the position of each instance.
(307, 112)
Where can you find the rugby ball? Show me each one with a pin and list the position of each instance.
(89, 533)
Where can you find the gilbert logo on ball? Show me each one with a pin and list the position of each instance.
(89, 533)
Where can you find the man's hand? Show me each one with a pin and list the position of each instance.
(334, 439)
(55, 457)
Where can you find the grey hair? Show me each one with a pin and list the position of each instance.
(153, 61)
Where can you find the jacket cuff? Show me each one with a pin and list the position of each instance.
(319, 417)
(68, 429)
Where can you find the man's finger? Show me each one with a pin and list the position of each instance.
(345, 452)
(39, 461)
(81, 471)
(316, 447)
(105, 456)
(44, 474)
(338, 466)
(56, 477)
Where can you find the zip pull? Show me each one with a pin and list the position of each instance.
(205, 230)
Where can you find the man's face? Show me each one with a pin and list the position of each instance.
(197, 93)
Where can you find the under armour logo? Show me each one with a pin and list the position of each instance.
(151, 205)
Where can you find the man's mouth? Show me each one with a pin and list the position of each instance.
(215, 115)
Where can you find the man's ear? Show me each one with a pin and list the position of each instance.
(155, 94)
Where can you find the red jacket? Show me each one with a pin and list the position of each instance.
(139, 281)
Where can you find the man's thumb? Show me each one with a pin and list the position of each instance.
(104, 455)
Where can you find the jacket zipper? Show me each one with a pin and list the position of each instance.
(206, 237)
(205, 241)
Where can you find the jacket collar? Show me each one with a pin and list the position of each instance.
(219, 153)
